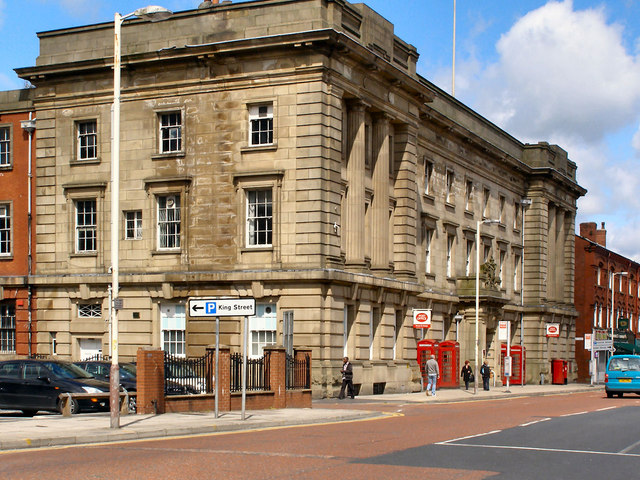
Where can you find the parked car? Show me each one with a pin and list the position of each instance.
(181, 373)
(101, 369)
(622, 375)
(33, 385)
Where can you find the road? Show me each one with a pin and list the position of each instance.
(578, 436)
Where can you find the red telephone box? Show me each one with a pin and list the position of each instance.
(449, 363)
(426, 348)
(518, 364)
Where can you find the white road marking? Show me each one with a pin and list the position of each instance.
(534, 422)
(630, 447)
(468, 437)
(605, 408)
(541, 449)
(572, 414)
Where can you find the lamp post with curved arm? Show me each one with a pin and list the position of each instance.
(154, 14)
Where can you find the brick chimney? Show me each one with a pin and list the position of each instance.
(601, 236)
(208, 3)
(590, 231)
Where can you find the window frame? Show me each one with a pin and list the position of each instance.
(251, 219)
(6, 156)
(8, 228)
(137, 225)
(7, 326)
(81, 145)
(89, 310)
(169, 222)
(86, 227)
(162, 128)
(428, 177)
(256, 118)
(450, 178)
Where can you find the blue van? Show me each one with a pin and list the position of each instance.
(623, 375)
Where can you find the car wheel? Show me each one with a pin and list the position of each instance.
(29, 413)
(609, 394)
(75, 408)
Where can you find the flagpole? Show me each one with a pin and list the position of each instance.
(453, 69)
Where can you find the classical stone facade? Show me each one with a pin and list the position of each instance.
(287, 150)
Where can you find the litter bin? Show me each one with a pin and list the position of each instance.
(559, 371)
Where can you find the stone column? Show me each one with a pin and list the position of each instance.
(559, 260)
(380, 204)
(551, 253)
(355, 199)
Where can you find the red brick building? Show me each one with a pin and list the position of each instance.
(17, 246)
(597, 269)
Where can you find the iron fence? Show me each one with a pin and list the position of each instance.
(188, 375)
(297, 373)
(257, 373)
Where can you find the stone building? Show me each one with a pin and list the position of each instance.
(606, 282)
(17, 256)
(287, 150)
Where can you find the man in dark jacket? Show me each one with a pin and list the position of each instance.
(347, 378)
(485, 371)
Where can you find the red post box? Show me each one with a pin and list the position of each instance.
(559, 371)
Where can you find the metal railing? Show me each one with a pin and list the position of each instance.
(257, 373)
(297, 373)
(191, 375)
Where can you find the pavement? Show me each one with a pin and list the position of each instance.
(52, 430)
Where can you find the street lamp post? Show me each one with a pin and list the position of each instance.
(154, 14)
(613, 306)
(479, 224)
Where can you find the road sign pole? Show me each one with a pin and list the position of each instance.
(217, 372)
(244, 367)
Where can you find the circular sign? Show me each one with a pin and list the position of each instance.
(422, 317)
(553, 329)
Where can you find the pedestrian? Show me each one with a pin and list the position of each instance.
(347, 378)
(467, 374)
(485, 371)
(433, 374)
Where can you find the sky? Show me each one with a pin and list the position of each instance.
(562, 71)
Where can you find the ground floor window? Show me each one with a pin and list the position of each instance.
(7, 327)
(262, 329)
(173, 320)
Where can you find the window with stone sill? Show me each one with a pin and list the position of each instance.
(86, 226)
(5, 146)
(171, 132)
(87, 140)
(5, 230)
(261, 125)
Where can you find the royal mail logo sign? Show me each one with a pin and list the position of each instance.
(553, 329)
(421, 318)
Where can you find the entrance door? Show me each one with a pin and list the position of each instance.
(90, 347)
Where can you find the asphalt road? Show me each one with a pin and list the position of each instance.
(579, 436)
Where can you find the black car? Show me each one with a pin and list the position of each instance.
(32, 385)
(101, 369)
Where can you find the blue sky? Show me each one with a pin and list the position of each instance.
(563, 71)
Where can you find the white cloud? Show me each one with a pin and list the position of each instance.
(562, 72)
(635, 142)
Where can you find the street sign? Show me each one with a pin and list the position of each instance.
(504, 330)
(587, 341)
(507, 366)
(222, 307)
(553, 329)
(421, 318)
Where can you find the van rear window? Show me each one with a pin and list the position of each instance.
(624, 364)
